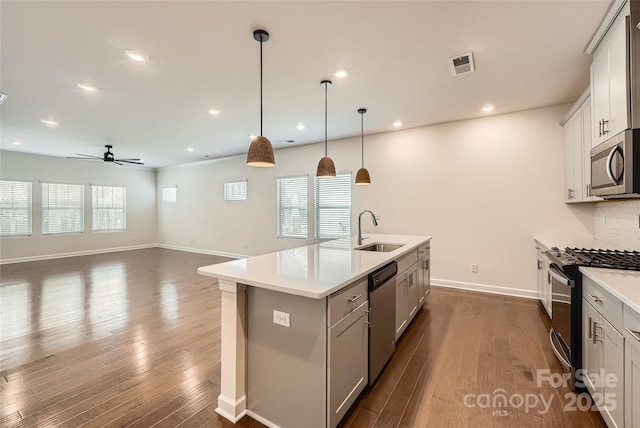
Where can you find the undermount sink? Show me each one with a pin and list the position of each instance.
(382, 247)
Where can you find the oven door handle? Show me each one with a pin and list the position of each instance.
(559, 276)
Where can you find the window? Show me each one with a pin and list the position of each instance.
(15, 208)
(292, 207)
(333, 206)
(109, 208)
(169, 195)
(235, 191)
(62, 208)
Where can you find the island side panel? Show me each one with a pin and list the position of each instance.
(286, 374)
(232, 403)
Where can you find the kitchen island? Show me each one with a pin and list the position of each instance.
(276, 310)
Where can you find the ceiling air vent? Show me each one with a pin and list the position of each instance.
(461, 64)
(3, 97)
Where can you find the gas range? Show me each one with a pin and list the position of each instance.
(610, 259)
(566, 303)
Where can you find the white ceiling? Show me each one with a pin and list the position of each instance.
(202, 54)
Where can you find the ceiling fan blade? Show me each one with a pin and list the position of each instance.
(130, 161)
(117, 163)
(85, 157)
(82, 156)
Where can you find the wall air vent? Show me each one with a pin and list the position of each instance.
(461, 64)
(3, 97)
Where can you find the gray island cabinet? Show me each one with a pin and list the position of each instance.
(294, 330)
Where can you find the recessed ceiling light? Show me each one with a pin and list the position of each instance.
(341, 72)
(49, 122)
(488, 108)
(397, 123)
(16, 143)
(136, 56)
(88, 87)
(214, 111)
(190, 149)
(300, 126)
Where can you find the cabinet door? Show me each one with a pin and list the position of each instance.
(348, 367)
(402, 298)
(618, 110)
(613, 366)
(413, 295)
(573, 159)
(591, 349)
(599, 94)
(632, 381)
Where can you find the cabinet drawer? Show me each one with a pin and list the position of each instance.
(423, 251)
(604, 302)
(631, 320)
(345, 301)
(406, 261)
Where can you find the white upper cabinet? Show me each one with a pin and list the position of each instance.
(577, 151)
(610, 111)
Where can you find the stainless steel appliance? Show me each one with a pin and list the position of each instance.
(566, 306)
(382, 317)
(615, 166)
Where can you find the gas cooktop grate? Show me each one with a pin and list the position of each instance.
(612, 259)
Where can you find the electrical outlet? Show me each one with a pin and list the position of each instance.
(281, 318)
(376, 214)
(474, 268)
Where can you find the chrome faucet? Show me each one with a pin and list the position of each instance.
(375, 223)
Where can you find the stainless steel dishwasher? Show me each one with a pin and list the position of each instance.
(382, 318)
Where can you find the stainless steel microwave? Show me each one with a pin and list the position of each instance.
(615, 166)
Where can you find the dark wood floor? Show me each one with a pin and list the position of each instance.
(133, 339)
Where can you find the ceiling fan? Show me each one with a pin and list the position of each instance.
(107, 157)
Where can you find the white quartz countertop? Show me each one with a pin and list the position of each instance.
(314, 271)
(624, 284)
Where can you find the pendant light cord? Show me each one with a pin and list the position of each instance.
(261, 86)
(362, 136)
(325, 119)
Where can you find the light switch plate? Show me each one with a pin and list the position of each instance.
(281, 318)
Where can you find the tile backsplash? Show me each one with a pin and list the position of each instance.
(618, 222)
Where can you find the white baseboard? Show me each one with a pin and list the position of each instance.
(75, 253)
(201, 251)
(485, 288)
(262, 420)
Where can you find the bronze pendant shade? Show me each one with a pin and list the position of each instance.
(326, 167)
(362, 176)
(260, 152)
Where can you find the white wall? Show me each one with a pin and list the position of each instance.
(619, 222)
(482, 188)
(141, 205)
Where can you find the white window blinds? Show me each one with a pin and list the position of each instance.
(109, 207)
(15, 208)
(292, 207)
(333, 206)
(235, 190)
(62, 208)
(169, 195)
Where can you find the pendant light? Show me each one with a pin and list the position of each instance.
(362, 176)
(260, 151)
(326, 167)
